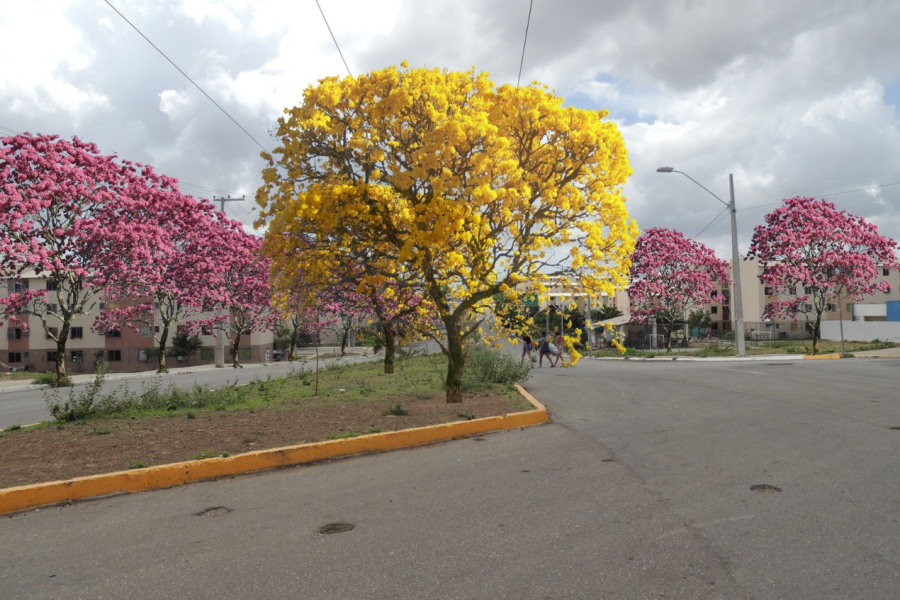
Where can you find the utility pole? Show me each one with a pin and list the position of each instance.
(220, 337)
(223, 200)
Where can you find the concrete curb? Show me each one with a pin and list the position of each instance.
(163, 476)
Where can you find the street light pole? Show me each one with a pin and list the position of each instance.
(735, 258)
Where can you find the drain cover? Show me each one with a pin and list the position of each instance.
(336, 528)
(765, 488)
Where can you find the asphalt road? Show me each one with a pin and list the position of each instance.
(640, 488)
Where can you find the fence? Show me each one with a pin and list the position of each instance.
(756, 335)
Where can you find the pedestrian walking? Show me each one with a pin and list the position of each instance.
(528, 350)
(546, 349)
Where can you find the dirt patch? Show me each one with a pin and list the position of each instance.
(98, 446)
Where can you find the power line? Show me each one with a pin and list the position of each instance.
(856, 191)
(715, 220)
(186, 76)
(334, 39)
(524, 42)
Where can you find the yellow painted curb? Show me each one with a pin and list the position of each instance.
(163, 476)
(822, 356)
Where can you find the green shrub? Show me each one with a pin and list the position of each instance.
(485, 367)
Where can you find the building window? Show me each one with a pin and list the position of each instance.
(206, 330)
(244, 353)
(77, 356)
(76, 333)
(206, 353)
(885, 272)
(142, 355)
(831, 308)
(114, 333)
(14, 357)
(51, 357)
(51, 285)
(18, 286)
(14, 333)
(768, 291)
(714, 310)
(145, 331)
(52, 333)
(113, 355)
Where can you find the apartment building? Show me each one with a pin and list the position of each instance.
(880, 306)
(32, 349)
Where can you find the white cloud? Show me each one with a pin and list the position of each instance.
(790, 97)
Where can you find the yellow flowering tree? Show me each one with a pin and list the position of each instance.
(474, 189)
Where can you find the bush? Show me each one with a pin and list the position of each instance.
(485, 367)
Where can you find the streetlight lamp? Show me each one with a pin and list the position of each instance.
(735, 258)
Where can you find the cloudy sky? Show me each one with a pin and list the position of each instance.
(794, 97)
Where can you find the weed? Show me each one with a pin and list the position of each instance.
(343, 435)
(485, 367)
(13, 428)
(78, 406)
(210, 454)
(466, 416)
(45, 379)
(137, 464)
(191, 415)
(395, 411)
(100, 432)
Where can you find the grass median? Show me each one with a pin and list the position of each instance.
(161, 426)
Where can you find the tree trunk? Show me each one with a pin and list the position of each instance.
(62, 377)
(456, 362)
(390, 345)
(344, 337)
(235, 347)
(163, 338)
(816, 332)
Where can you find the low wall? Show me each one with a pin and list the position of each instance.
(861, 331)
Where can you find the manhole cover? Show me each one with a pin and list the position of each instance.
(336, 528)
(765, 488)
(213, 511)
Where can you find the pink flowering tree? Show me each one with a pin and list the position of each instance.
(180, 285)
(242, 287)
(301, 314)
(78, 220)
(671, 275)
(815, 255)
(401, 314)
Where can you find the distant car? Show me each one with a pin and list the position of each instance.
(277, 354)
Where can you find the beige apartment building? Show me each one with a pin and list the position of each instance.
(32, 349)
(878, 307)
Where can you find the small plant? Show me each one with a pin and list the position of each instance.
(466, 416)
(485, 367)
(100, 432)
(45, 379)
(191, 415)
(204, 454)
(137, 464)
(78, 406)
(343, 435)
(395, 411)
(14, 427)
